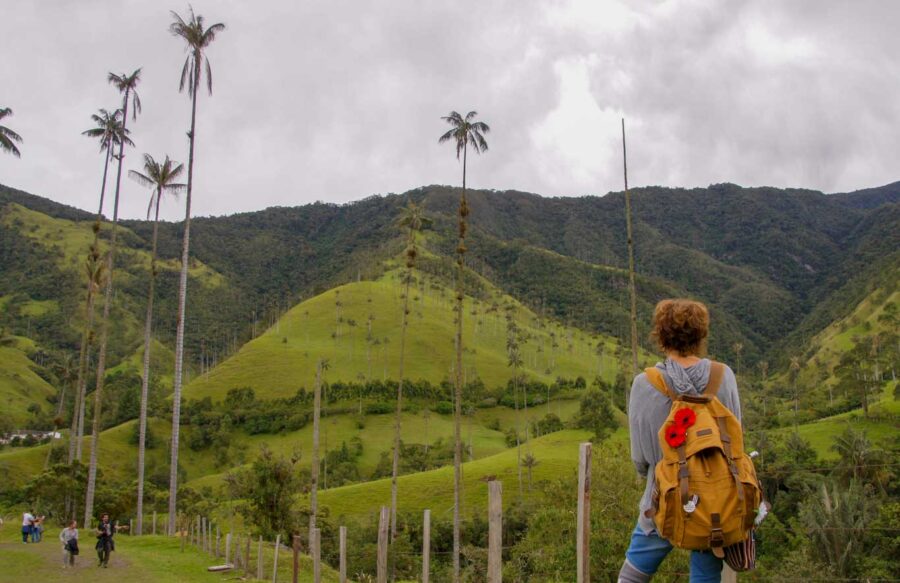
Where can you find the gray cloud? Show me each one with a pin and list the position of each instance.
(338, 100)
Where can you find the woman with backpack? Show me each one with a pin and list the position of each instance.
(701, 487)
(69, 538)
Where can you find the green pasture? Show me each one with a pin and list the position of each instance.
(283, 359)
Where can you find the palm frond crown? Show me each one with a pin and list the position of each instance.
(160, 177)
(465, 131)
(197, 38)
(108, 129)
(127, 84)
(9, 138)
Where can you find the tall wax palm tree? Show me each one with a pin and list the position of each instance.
(160, 177)
(127, 86)
(514, 361)
(321, 366)
(412, 220)
(463, 132)
(110, 131)
(793, 373)
(9, 138)
(197, 37)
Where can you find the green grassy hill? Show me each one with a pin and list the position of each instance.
(118, 455)
(827, 347)
(361, 340)
(20, 385)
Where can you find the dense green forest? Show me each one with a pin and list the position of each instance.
(802, 289)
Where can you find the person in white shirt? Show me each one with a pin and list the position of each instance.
(27, 525)
(69, 538)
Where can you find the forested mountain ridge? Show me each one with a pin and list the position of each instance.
(766, 260)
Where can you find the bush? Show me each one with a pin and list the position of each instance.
(379, 408)
(443, 408)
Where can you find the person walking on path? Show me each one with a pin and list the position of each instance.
(680, 327)
(69, 538)
(27, 525)
(37, 529)
(105, 545)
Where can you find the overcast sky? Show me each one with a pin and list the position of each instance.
(337, 100)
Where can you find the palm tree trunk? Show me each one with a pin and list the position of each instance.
(517, 428)
(314, 471)
(104, 330)
(395, 469)
(182, 298)
(631, 286)
(145, 376)
(457, 414)
(77, 429)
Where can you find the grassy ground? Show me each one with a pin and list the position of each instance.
(118, 456)
(283, 359)
(556, 453)
(72, 240)
(835, 340)
(20, 386)
(143, 559)
(883, 424)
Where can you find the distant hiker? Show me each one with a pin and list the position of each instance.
(37, 529)
(105, 544)
(27, 524)
(69, 538)
(699, 400)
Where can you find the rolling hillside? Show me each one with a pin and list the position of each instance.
(356, 327)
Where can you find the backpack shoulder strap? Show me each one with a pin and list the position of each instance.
(655, 376)
(716, 372)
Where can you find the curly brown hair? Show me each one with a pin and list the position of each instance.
(681, 326)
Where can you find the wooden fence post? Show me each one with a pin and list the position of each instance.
(259, 560)
(247, 558)
(209, 543)
(342, 548)
(315, 547)
(381, 576)
(583, 530)
(218, 537)
(228, 549)
(181, 532)
(275, 562)
(296, 545)
(154, 522)
(426, 546)
(130, 527)
(495, 531)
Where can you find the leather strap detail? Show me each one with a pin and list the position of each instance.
(726, 445)
(716, 372)
(655, 376)
(716, 537)
(684, 475)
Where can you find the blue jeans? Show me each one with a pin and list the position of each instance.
(647, 551)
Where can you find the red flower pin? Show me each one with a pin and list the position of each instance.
(675, 435)
(685, 417)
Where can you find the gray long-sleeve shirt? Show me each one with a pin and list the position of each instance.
(648, 409)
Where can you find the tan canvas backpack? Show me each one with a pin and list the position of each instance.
(707, 493)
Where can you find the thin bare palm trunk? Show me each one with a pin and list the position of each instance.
(631, 286)
(182, 299)
(314, 471)
(457, 414)
(77, 429)
(104, 329)
(145, 376)
(518, 427)
(395, 470)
